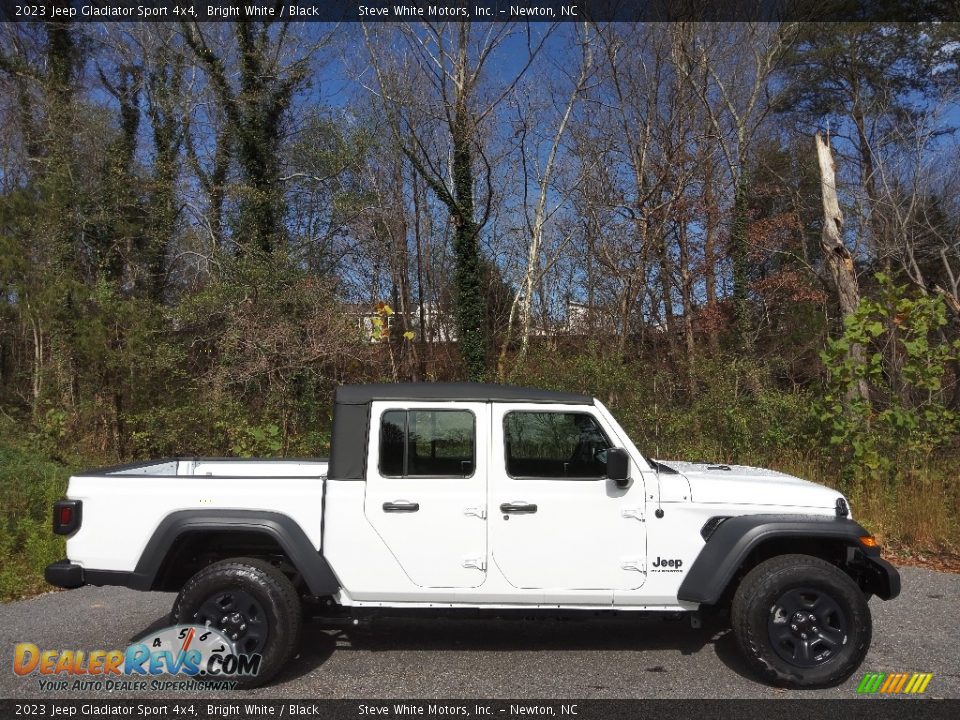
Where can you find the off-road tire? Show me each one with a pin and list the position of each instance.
(754, 604)
(270, 587)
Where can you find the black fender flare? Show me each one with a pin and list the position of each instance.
(308, 561)
(736, 537)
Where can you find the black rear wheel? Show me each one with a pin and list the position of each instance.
(239, 615)
(801, 621)
(251, 602)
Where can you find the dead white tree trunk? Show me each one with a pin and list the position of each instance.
(837, 255)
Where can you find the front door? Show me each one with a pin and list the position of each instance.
(556, 522)
(426, 493)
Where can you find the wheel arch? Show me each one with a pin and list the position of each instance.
(740, 543)
(219, 534)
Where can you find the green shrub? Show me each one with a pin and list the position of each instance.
(29, 485)
(904, 363)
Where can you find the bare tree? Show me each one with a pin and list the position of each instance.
(635, 143)
(436, 100)
(913, 190)
(729, 68)
(274, 65)
(536, 222)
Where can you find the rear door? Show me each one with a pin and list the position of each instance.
(426, 489)
(556, 522)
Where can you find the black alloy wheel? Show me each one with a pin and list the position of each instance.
(807, 627)
(253, 603)
(239, 616)
(801, 621)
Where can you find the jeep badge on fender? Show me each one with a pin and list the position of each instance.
(663, 564)
(447, 498)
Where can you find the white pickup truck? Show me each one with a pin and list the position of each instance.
(444, 497)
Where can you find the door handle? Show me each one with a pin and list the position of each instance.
(401, 506)
(518, 508)
(635, 513)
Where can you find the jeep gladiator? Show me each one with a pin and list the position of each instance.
(439, 498)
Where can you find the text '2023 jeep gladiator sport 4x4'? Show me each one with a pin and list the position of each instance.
(443, 497)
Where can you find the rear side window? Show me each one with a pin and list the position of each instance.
(554, 445)
(427, 443)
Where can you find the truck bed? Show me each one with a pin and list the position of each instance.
(124, 504)
(218, 467)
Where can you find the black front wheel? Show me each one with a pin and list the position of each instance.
(801, 621)
(251, 602)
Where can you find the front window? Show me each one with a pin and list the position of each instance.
(554, 445)
(427, 443)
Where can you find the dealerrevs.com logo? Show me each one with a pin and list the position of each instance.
(199, 656)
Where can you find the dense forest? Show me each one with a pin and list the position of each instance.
(205, 228)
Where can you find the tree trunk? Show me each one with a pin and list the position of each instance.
(837, 256)
(421, 316)
(666, 293)
(507, 335)
(37, 373)
(540, 215)
(709, 254)
(686, 297)
(400, 258)
(471, 303)
(254, 117)
(165, 122)
(741, 267)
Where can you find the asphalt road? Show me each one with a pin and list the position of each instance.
(611, 658)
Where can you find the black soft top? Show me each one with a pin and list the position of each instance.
(351, 413)
(464, 392)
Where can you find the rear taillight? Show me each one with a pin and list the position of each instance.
(66, 516)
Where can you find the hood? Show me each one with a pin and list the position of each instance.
(743, 485)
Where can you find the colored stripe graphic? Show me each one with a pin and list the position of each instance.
(894, 683)
(870, 683)
(897, 685)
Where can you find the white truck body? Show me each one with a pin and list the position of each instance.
(122, 507)
(439, 498)
(591, 544)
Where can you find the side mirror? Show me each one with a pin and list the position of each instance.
(618, 466)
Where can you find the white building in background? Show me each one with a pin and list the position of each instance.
(437, 325)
